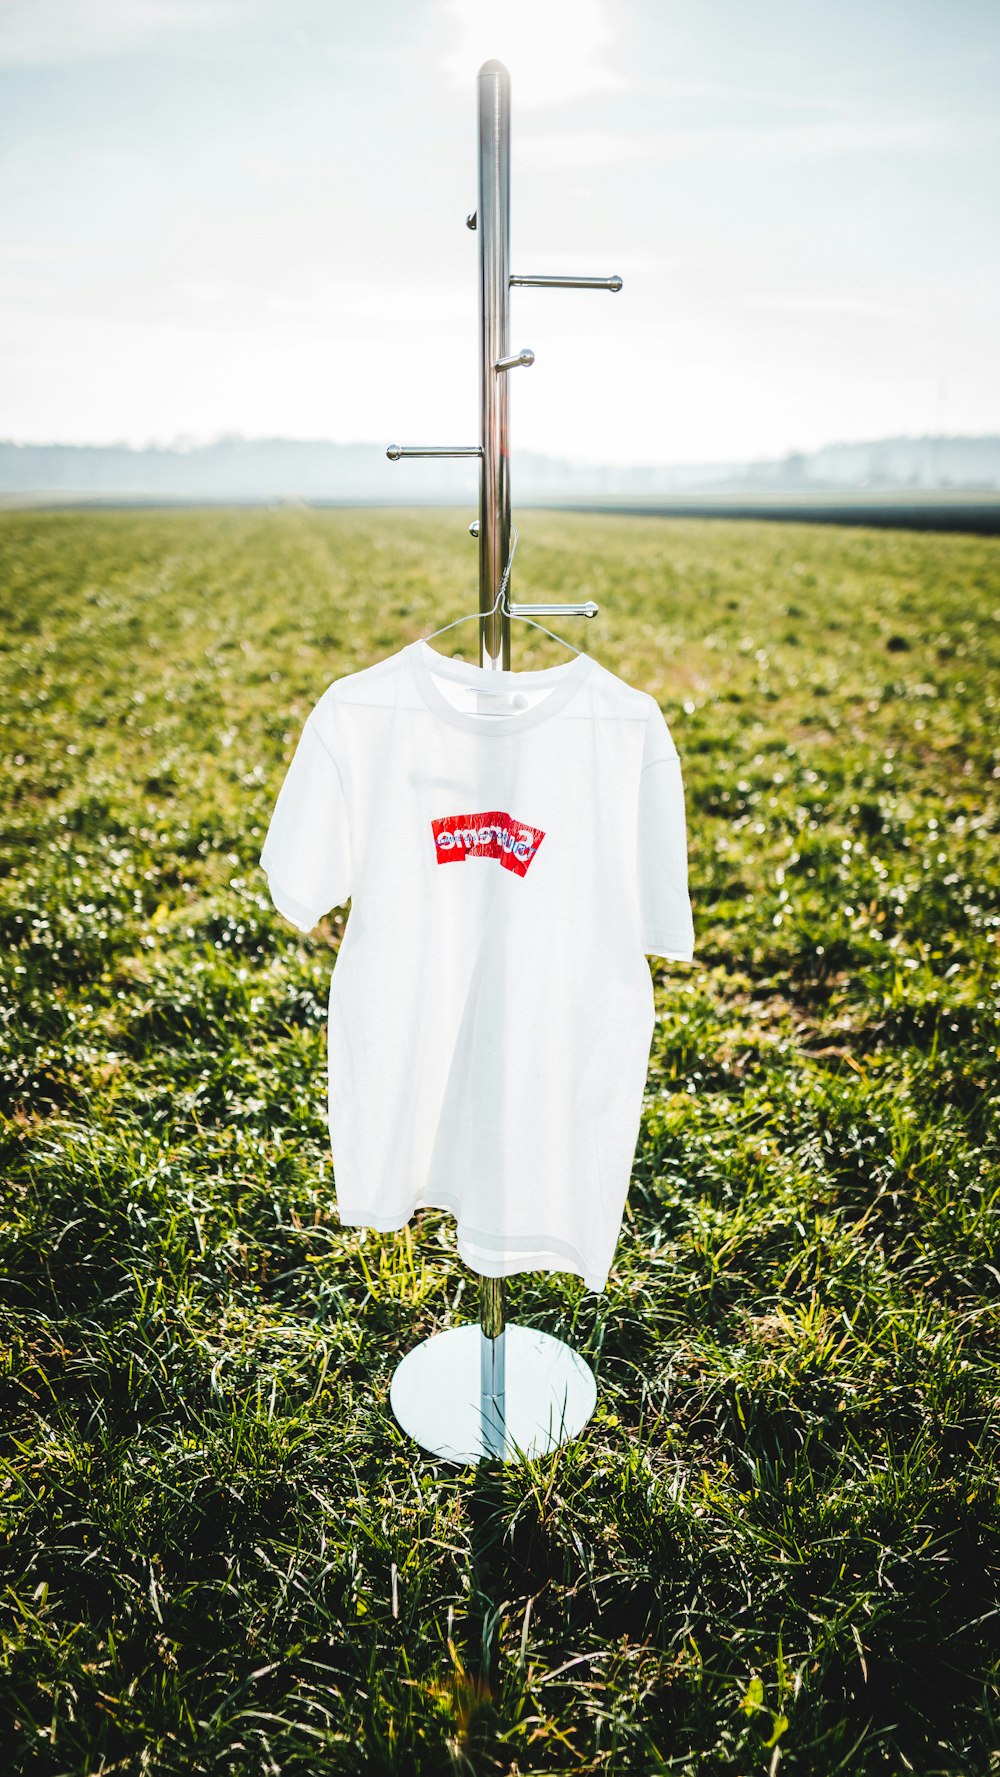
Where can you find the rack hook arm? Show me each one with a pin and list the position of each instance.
(516, 358)
(545, 283)
(395, 451)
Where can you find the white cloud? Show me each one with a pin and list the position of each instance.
(329, 302)
(37, 32)
(868, 135)
(573, 150)
(579, 148)
(810, 303)
(554, 50)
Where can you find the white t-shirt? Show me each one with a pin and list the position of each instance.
(510, 860)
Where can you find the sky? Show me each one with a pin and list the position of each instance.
(248, 217)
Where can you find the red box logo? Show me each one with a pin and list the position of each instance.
(490, 835)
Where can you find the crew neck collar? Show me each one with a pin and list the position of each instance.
(427, 665)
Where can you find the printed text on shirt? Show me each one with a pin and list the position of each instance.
(490, 835)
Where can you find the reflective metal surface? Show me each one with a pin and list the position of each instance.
(435, 1394)
(543, 283)
(589, 609)
(492, 1379)
(516, 358)
(491, 1296)
(492, 1363)
(395, 451)
(493, 230)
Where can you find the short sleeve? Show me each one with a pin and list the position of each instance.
(306, 853)
(665, 906)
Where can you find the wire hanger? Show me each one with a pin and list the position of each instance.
(500, 603)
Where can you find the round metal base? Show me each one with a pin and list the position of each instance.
(549, 1393)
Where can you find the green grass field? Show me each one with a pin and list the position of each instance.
(776, 1545)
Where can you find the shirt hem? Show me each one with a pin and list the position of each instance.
(474, 1246)
(675, 949)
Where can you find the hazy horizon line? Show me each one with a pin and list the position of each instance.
(188, 444)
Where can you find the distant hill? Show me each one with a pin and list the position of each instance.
(262, 469)
(930, 462)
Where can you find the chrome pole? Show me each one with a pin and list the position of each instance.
(493, 229)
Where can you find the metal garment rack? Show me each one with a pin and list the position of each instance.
(529, 1392)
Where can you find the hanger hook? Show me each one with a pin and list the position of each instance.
(500, 604)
